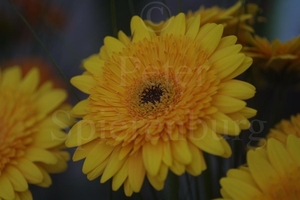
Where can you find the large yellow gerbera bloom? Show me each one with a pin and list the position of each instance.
(30, 132)
(273, 173)
(156, 102)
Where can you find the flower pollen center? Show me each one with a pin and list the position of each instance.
(152, 94)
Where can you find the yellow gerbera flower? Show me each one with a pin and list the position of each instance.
(235, 19)
(273, 173)
(31, 133)
(279, 59)
(156, 102)
(283, 129)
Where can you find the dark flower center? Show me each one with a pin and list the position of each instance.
(152, 94)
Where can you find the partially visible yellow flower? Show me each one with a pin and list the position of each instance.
(31, 137)
(277, 57)
(284, 128)
(157, 102)
(236, 19)
(273, 173)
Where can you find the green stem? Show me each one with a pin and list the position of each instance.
(173, 189)
(207, 178)
(131, 7)
(46, 51)
(114, 17)
(179, 4)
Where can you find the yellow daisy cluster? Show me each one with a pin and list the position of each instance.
(235, 19)
(156, 102)
(278, 58)
(31, 137)
(273, 173)
(284, 128)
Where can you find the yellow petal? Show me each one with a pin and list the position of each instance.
(204, 30)
(113, 45)
(139, 30)
(51, 100)
(136, 171)
(207, 140)
(227, 65)
(239, 189)
(123, 38)
(30, 81)
(40, 155)
(46, 180)
(211, 40)
(103, 53)
(225, 52)
(11, 76)
(80, 109)
(25, 195)
(196, 166)
(113, 166)
(248, 112)
(48, 138)
(279, 157)
(181, 151)
(293, 144)
(158, 185)
(81, 133)
(223, 124)
(241, 175)
(16, 178)
(82, 151)
(163, 172)
(177, 168)
(152, 157)
(243, 67)
(237, 89)
(167, 154)
(6, 189)
(94, 158)
(94, 64)
(227, 41)
(30, 171)
(176, 26)
(127, 188)
(120, 176)
(84, 83)
(227, 104)
(193, 30)
(261, 170)
(98, 170)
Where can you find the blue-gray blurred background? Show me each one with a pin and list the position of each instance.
(71, 30)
